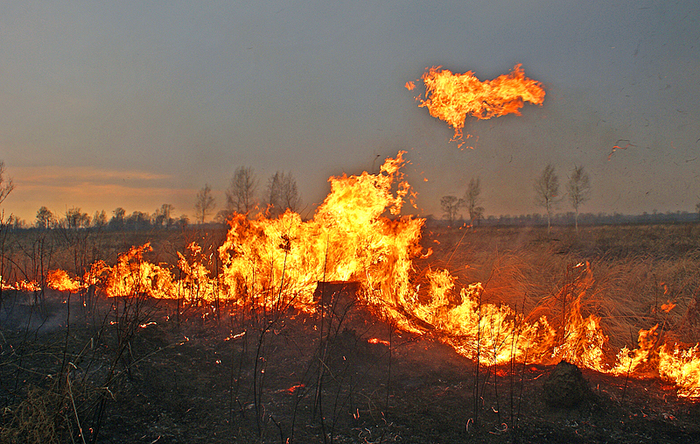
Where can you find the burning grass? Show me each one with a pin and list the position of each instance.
(511, 301)
(344, 373)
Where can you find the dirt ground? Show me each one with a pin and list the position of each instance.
(345, 377)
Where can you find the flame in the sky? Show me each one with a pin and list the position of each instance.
(454, 97)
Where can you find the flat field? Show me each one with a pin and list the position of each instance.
(85, 368)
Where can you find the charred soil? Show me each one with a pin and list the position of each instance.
(290, 376)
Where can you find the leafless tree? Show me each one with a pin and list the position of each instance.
(99, 219)
(163, 215)
(6, 185)
(117, 220)
(547, 191)
(450, 206)
(578, 189)
(75, 218)
(240, 195)
(45, 218)
(472, 200)
(204, 204)
(282, 193)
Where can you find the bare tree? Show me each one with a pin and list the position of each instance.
(138, 220)
(163, 215)
(547, 191)
(450, 206)
(45, 218)
(578, 189)
(289, 197)
(117, 221)
(282, 193)
(75, 218)
(472, 200)
(274, 186)
(204, 204)
(240, 195)
(6, 185)
(99, 219)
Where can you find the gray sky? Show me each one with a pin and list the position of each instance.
(135, 104)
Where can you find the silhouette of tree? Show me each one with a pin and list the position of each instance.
(579, 190)
(99, 219)
(204, 204)
(6, 185)
(163, 215)
(45, 218)
(282, 193)
(75, 218)
(240, 194)
(547, 191)
(450, 206)
(117, 220)
(472, 200)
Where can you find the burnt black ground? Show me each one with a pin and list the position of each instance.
(275, 378)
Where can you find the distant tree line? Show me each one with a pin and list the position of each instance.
(280, 194)
(75, 218)
(568, 219)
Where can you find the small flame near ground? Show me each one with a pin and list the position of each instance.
(358, 235)
(454, 97)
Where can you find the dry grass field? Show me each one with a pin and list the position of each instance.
(79, 367)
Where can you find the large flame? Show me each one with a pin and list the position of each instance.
(358, 235)
(280, 260)
(454, 97)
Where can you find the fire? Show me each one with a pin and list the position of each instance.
(682, 367)
(454, 97)
(276, 262)
(357, 234)
(132, 275)
(668, 306)
(59, 280)
(293, 389)
(629, 361)
(196, 280)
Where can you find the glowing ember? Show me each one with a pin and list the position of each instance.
(454, 97)
(291, 390)
(668, 306)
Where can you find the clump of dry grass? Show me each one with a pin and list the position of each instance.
(641, 276)
(41, 418)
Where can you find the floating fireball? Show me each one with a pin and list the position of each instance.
(454, 97)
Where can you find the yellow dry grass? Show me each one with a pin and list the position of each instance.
(642, 275)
